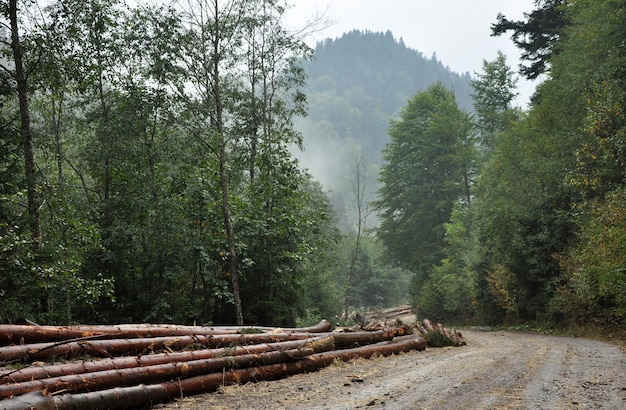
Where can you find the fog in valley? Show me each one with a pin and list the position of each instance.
(356, 84)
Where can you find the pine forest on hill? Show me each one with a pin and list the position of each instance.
(356, 84)
(151, 170)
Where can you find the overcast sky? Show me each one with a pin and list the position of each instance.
(457, 31)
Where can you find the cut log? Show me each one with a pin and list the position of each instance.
(429, 326)
(353, 339)
(24, 334)
(215, 356)
(118, 398)
(201, 384)
(137, 396)
(118, 347)
(78, 367)
(150, 374)
(389, 314)
(95, 348)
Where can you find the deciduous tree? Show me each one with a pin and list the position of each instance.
(422, 179)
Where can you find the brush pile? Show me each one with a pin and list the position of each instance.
(130, 366)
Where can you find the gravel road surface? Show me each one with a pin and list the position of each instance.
(496, 370)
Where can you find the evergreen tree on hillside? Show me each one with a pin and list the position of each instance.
(384, 67)
(359, 81)
(356, 84)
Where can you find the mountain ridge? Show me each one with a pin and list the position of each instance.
(356, 84)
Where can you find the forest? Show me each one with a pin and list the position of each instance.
(352, 97)
(156, 168)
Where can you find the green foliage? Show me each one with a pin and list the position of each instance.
(45, 286)
(154, 197)
(594, 57)
(523, 216)
(592, 286)
(421, 180)
(494, 91)
(524, 203)
(281, 245)
(352, 97)
(450, 291)
(595, 288)
(135, 219)
(538, 36)
(548, 177)
(16, 281)
(437, 339)
(375, 284)
(352, 61)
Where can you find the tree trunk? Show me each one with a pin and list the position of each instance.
(25, 131)
(362, 212)
(118, 398)
(230, 235)
(218, 123)
(353, 339)
(116, 347)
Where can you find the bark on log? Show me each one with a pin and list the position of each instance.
(117, 347)
(47, 371)
(390, 314)
(96, 348)
(136, 396)
(151, 374)
(118, 398)
(26, 334)
(249, 355)
(201, 384)
(366, 337)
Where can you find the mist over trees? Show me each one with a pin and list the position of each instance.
(526, 237)
(356, 84)
(150, 169)
(536, 244)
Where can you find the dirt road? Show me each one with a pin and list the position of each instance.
(496, 370)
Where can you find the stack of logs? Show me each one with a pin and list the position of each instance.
(436, 335)
(130, 366)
